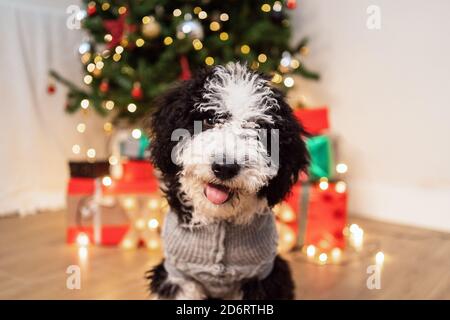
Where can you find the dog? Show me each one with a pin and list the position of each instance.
(221, 179)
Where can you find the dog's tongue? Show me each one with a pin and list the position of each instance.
(215, 194)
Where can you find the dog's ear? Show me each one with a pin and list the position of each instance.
(293, 154)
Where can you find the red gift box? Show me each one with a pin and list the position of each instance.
(321, 214)
(314, 121)
(108, 222)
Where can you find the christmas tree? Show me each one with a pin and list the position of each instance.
(139, 48)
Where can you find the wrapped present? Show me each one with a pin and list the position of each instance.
(317, 214)
(321, 153)
(314, 120)
(122, 212)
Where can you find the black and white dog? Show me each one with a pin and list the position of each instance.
(217, 169)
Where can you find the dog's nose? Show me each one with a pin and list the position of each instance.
(225, 171)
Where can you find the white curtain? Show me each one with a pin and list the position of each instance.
(37, 135)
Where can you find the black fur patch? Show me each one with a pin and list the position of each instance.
(159, 283)
(278, 285)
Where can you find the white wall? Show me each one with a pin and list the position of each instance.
(389, 94)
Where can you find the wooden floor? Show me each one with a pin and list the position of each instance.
(34, 259)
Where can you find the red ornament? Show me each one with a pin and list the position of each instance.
(117, 28)
(185, 70)
(291, 4)
(51, 88)
(91, 9)
(137, 92)
(104, 86)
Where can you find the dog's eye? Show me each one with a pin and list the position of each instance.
(209, 122)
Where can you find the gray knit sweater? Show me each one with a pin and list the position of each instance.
(219, 255)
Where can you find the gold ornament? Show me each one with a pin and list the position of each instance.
(151, 29)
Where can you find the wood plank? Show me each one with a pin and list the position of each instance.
(34, 259)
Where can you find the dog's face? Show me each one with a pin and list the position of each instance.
(226, 144)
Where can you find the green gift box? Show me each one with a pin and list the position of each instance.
(320, 150)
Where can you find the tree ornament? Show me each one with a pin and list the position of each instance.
(91, 9)
(190, 28)
(137, 92)
(291, 4)
(118, 29)
(185, 69)
(51, 88)
(151, 28)
(104, 86)
(285, 62)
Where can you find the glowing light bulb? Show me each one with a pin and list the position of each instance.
(202, 15)
(177, 12)
(82, 253)
(136, 133)
(153, 224)
(82, 239)
(153, 204)
(287, 214)
(87, 79)
(109, 105)
(76, 149)
(341, 168)
(340, 187)
(336, 254)
(113, 160)
(107, 181)
(277, 78)
(129, 203)
(265, 7)
(127, 243)
(277, 6)
(84, 103)
(223, 36)
(209, 61)
(132, 107)
(214, 26)
(323, 185)
(262, 58)
(119, 49)
(197, 44)
(356, 236)
(91, 153)
(140, 224)
(81, 127)
(245, 49)
(90, 67)
(311, 251)
(323, 257)
(168, 41)
(224, 17)
(153, 244)
(379, 257)
(289, 82)
(354, 228)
